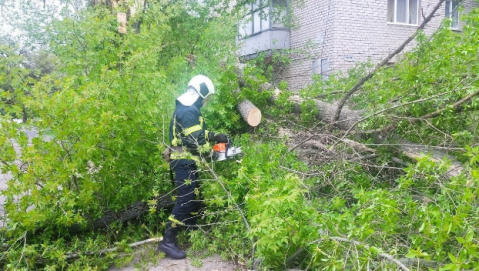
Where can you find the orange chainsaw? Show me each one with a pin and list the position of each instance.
(224, 151)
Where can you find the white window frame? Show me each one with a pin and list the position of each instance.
(394, 12)
(252, 24)
(452, 12)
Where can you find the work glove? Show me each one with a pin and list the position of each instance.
(221, 138)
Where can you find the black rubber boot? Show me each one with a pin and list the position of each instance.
(168, 244)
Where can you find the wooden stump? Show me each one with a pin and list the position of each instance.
(250, 113)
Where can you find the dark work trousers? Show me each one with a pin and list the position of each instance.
(187, 183)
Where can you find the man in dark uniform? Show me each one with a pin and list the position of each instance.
(188, 133)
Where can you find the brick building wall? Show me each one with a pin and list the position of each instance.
(313, 37)
(347, 32)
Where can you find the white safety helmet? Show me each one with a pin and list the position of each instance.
(199, 86)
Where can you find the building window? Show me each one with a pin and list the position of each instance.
(316, 66)
(321, 66)
(325, 68)
(256, 19)
(280, 13)
(403, 11)
(451, 12)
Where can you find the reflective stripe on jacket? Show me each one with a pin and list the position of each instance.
(187, 130)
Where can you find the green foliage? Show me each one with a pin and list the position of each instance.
(272, 201)
(101, 121)
(438, 72)
(272, 63)
(424, 212)
(14, 82)
(280, 218)
(102, 107)
(221, 112)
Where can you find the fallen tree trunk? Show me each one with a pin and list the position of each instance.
(417, 152)
(325, 111)
(349, 119)
(133, 211)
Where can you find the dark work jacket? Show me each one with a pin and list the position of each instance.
(188, 119)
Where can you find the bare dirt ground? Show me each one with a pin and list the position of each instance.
(146, 258)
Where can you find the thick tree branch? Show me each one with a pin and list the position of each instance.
(108, 250)
(456, 106)
(330, 93)
(390, 108)
(76, 255)
(383, 255)
(130, 212)
(419, 262)
(398, 262)
(342, 102)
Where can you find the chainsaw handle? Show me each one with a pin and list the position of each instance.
(228, 140)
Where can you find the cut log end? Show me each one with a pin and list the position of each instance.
(250, 113)
(254, 117)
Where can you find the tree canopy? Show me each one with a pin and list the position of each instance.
(395, 188)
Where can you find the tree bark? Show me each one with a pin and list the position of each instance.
(133, 211)
(325, 112)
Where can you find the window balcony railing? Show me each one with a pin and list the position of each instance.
(262, 29)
